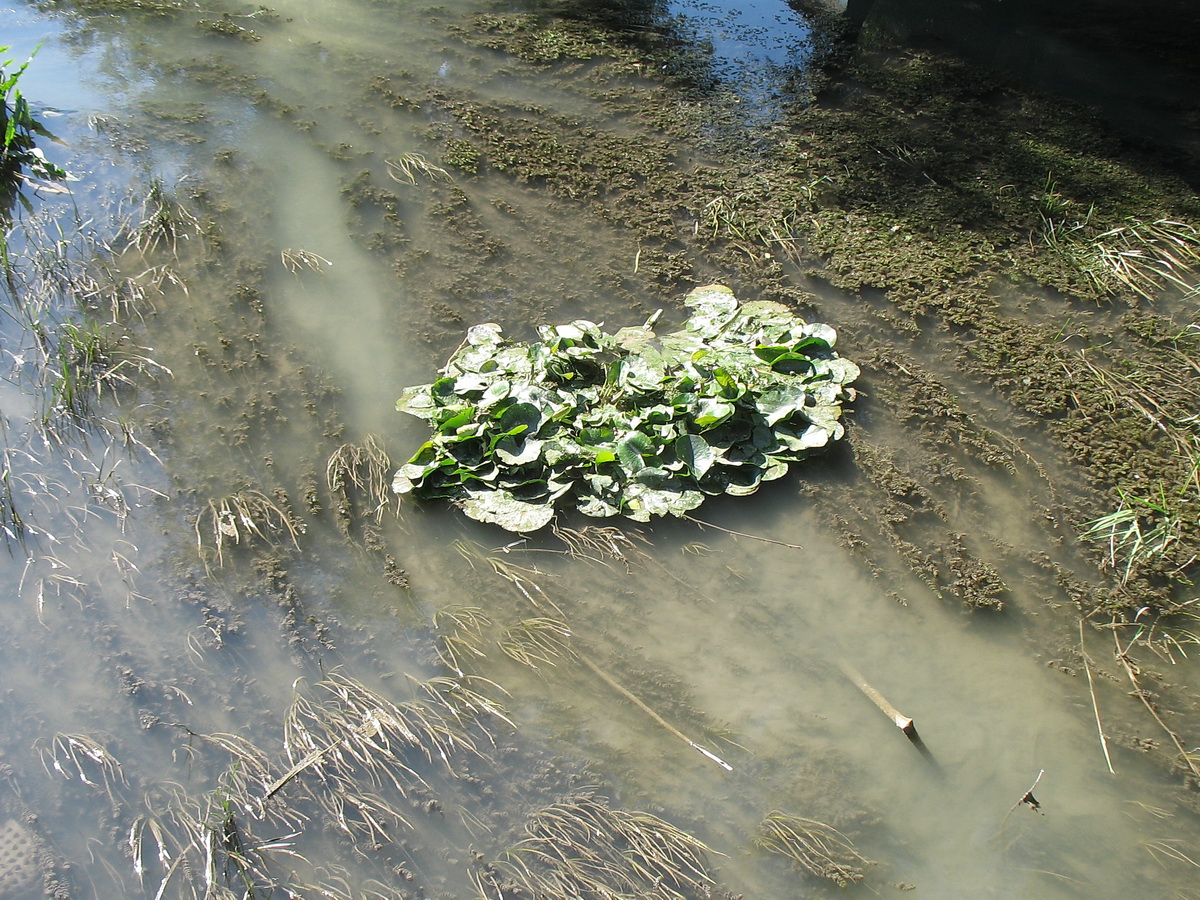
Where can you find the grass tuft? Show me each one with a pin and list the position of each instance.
(815, 847)
(582, 848)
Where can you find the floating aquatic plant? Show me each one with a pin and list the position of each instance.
(632, 423)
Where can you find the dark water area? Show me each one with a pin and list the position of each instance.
(1132, 64)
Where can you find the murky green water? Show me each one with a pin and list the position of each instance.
(143, 613)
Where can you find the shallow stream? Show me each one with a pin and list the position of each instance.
(349, 224)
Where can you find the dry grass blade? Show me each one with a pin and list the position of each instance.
(727, 218)
(523, 579)
(354, 732)
(295, 260)
(598, 543)
(1170, 849)
(79, 757)
(465, 702)
(460, 629)
(817, 848)
(204, 847)
(1149, 256)
(406, 168)
(1142, 257)
(163, 222)
(242, 517)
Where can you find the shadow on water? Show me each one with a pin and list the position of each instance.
(1128, 63)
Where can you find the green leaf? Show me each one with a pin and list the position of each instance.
(455, 420)
(696, 453)
(730, 389)
(711, 412)
(417, 401)
(514, 452)
(503, 509)
(495, 392)
(519, 418)
(631, 450)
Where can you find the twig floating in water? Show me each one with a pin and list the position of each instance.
(753, 537)
(1028, 797)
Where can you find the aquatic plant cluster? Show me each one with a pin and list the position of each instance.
(632, 423)
(21, 161)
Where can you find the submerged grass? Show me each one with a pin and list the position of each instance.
(815, 847)
(364, 468)
(228, 831)
(409, 168)
(241, 518)
(582, 848)
(69, 311)
(766, 217)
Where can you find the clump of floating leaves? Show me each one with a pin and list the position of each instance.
(632, 423)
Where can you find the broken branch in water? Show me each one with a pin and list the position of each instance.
(1028, 797)
(1185, 757)
(901, 721)
(753, 537)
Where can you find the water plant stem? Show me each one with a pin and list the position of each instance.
(628, 695)
(753, 537)
(1095, 705)
(1187, 758)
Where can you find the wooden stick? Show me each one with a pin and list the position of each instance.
(903, 722)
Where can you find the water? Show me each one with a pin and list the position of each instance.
(134, 621)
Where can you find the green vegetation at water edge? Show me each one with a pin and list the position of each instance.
(21, 161)
(632, 423)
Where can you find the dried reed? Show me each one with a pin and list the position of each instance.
(541, 640)
(295, 260)
(364, 467)
(460, 632)
(242, 517)
(83, 758)
(406, 167)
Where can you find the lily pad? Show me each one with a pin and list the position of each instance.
(503, 509)
(631, 423)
